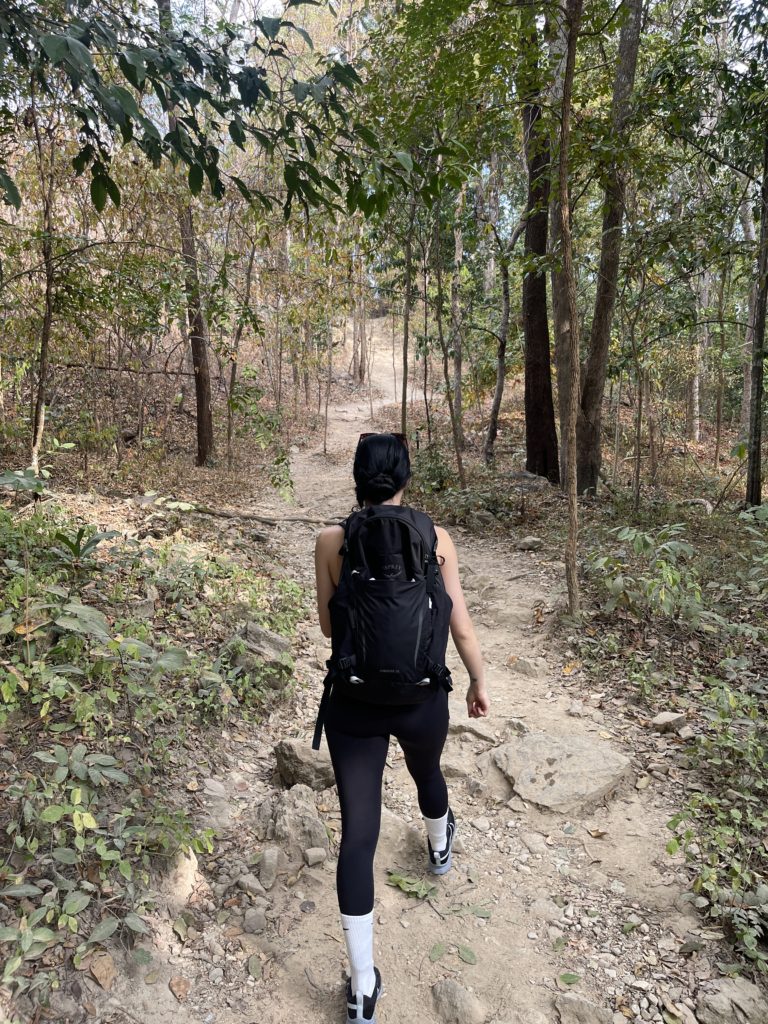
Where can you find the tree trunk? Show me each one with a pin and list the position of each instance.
(47, 180)
(501, 363)
(589, 425)
(456, 335)
(748, 226)
(407, 313)
(754, 467)
(573, 17)
(235, 352)
(198, 326)
(693, 412)
(444, 350)
(540, 432)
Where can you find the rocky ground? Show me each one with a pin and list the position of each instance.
(562, 907)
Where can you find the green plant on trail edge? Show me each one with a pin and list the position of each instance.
(96, 704)
(696, 615)
(724, 828)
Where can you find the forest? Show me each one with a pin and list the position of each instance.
(532, 237)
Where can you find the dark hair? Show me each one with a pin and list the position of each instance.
(382, 468)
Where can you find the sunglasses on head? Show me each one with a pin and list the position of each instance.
(373, 433)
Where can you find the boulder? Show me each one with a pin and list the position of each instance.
(297, 825)
(297, 762)
(455, 1005)
(268, 866)
(265, 655)
(732, 1001)
(561, 773)
(574, 1009)
(530, 544)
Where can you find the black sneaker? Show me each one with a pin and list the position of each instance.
(361, 1007)
(440, 861)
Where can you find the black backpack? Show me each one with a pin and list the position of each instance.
(390, 613)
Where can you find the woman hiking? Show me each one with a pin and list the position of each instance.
(388, 591)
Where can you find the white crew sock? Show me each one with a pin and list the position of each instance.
(437, 830)
(358, 935)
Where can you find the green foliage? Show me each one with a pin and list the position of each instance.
(650, 577)
(111, 708)
(723, 828)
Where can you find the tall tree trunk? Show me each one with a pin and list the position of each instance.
(573, 17)
(589, 425)
(540, 432)
(501, 363)
(693, 412)
(754, 467)
(45, 163)
(444, 350)
(407, 312)
(748, 226)
(456, 332)
(235, 352)
(198, 325)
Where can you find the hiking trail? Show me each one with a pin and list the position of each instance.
(562, 906)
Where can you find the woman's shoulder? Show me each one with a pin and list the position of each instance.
(444, 542)
(329, 537)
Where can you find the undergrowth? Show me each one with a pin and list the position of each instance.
(683, 618)
(114, 655)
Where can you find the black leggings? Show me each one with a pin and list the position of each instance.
(358, 740)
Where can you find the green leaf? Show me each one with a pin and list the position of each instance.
(270, 26)
(98, 192)
(79, 55)
(437, 951)
(55, 47)
(405, 160)
(20, 891)
(53, 813)
(8, 934)
(411, 886)
(136, 924)
(196, 178)
(142, 956)
(64, 855)
(673, 846)
(103, 930)
(112, 191)
(569, 979)
(10, 192)
(75, 903)
(467, 955)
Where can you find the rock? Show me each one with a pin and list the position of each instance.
(530, 544)
(481, 824)
(216, 975)
(527, 667)
(181, 881)
(546, 910)
(561, 773)
(454, 1005)
(575, 1010)
(65, 1008)
(250, 883)
(315, 855)
(668, 721)
(732, 1001)
(529, 481)
(296, 824)
(213, 787)
(181, 987)
(534, 842)
(268, 866)
(576, 709)
(297, 762)
(686, 733)
(265, 654)
(398, 840)
(255, 921)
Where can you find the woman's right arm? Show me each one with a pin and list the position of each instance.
(462, 630)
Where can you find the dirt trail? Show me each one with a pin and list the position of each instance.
(534, 893)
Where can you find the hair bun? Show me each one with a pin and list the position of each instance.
(382, 480)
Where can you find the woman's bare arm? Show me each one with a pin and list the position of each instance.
(462, 630)
(326, 572)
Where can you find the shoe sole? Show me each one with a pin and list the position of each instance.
(441, 869)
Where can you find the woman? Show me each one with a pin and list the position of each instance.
(358, 732)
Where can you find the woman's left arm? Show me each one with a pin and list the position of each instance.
(326, 549)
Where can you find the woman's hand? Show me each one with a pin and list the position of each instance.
(477, 700)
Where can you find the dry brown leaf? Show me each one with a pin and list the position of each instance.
(180, 986)
(104, 971)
